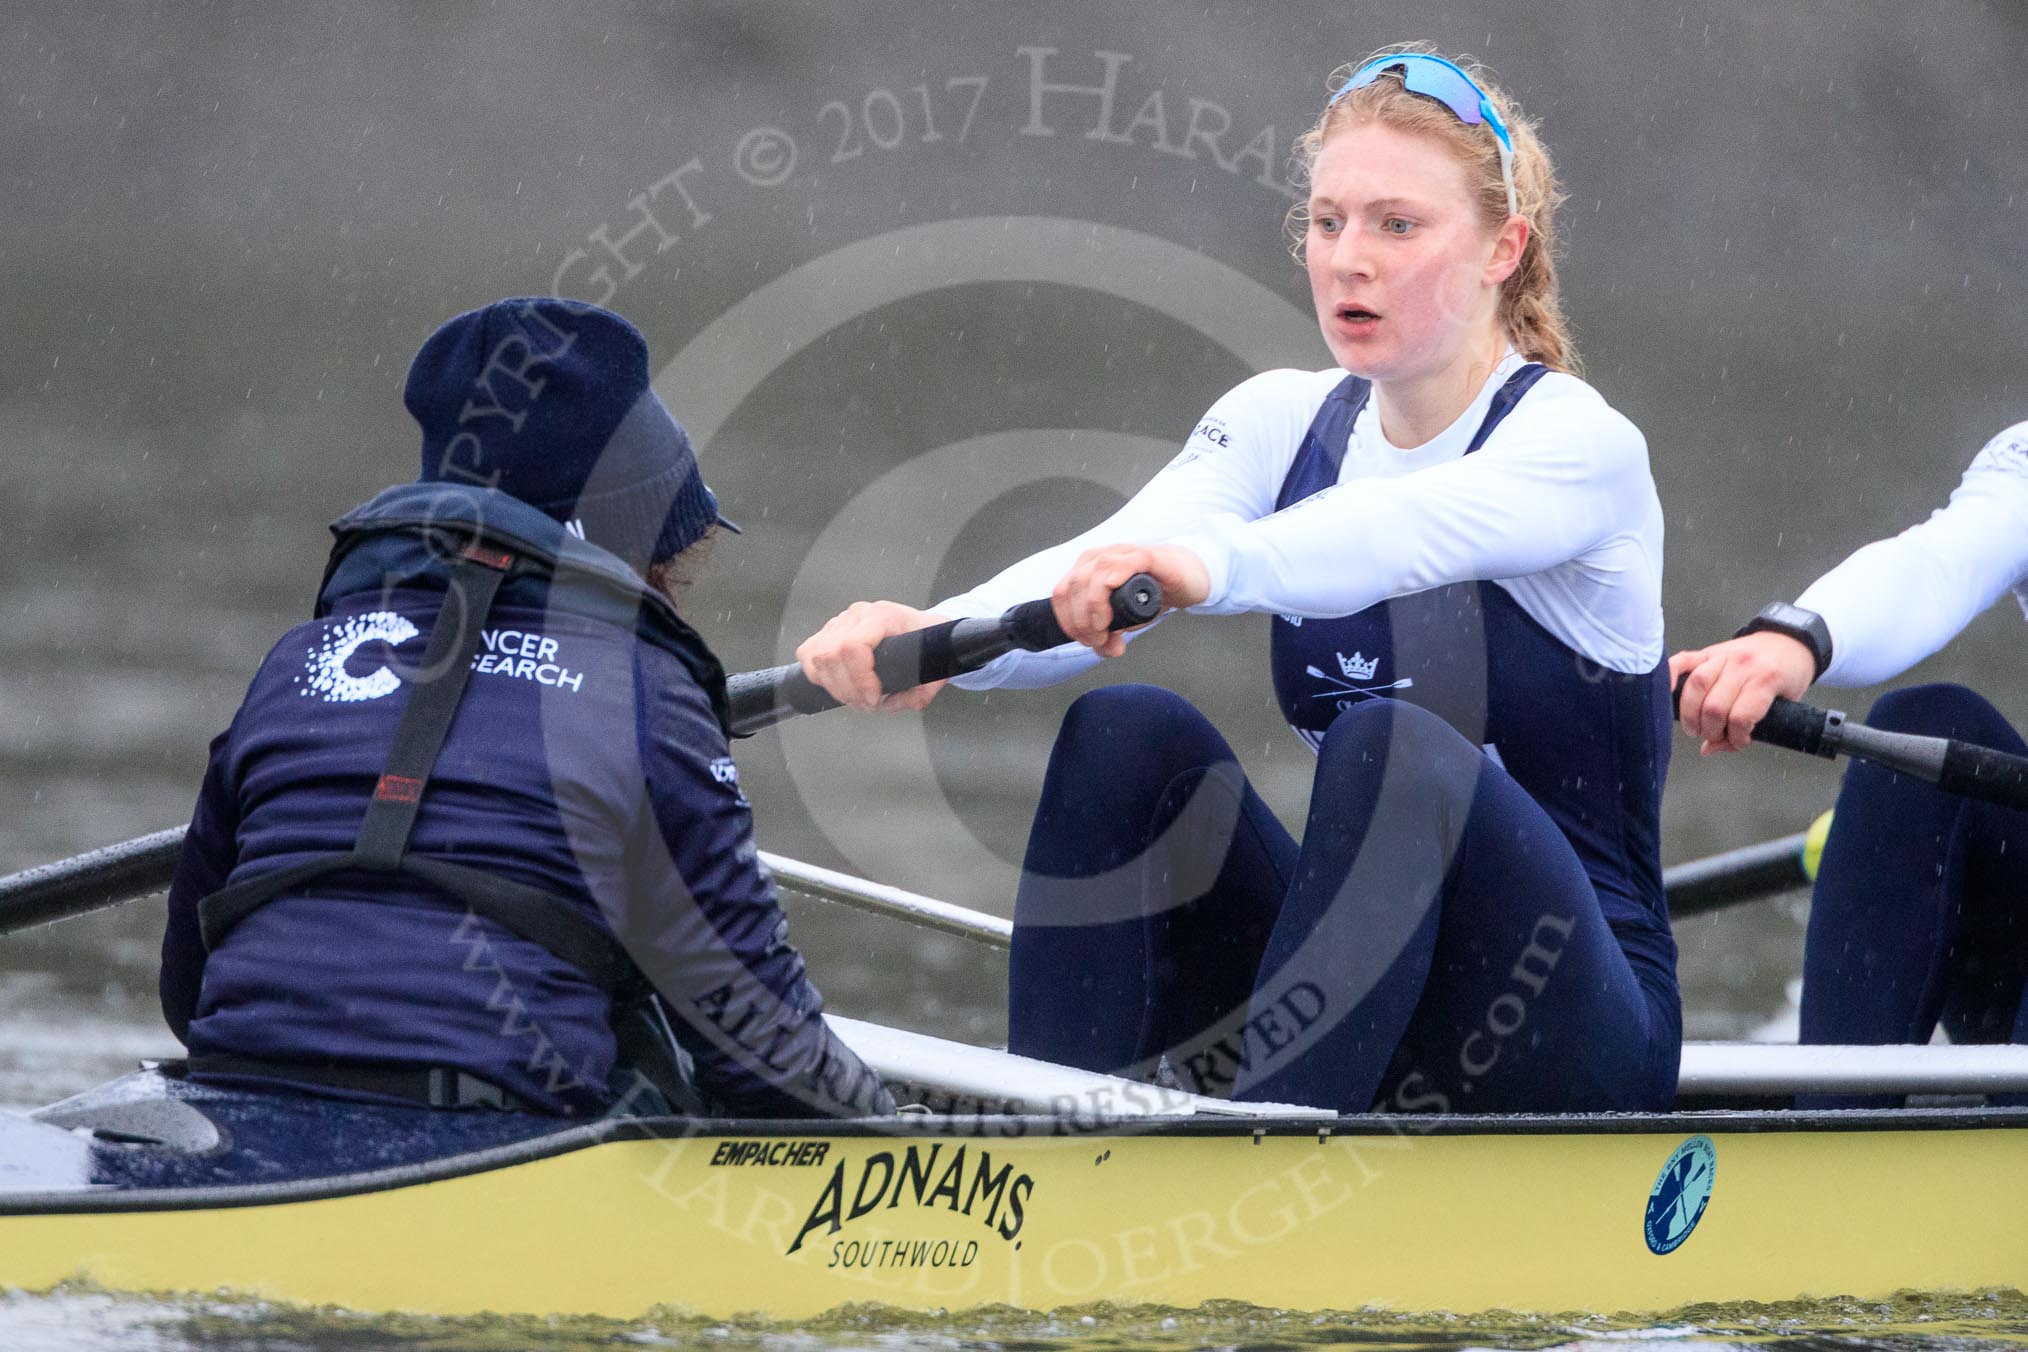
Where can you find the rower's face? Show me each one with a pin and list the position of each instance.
(1402, 271)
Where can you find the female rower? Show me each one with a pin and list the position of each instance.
(1461, 546)
(1917, 913)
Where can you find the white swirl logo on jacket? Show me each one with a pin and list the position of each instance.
(325, 663)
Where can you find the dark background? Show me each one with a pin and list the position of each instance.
(1792, 245)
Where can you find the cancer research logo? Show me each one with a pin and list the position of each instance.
(514, 653)
(325, 663)
(1680, 1194)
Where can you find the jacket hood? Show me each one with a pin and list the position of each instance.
(404, 532)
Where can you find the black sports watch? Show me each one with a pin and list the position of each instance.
(1806, 627)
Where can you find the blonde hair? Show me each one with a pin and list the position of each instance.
(1531, 308)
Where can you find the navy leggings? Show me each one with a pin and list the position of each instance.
(1921, 905)
(1432, 945)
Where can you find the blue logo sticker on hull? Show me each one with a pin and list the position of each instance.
(1681, 1193)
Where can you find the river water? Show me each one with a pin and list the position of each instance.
(1975, 1321)
(930, 295)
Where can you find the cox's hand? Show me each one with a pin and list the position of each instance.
(1732, 684)
(1083, 599)
(839, 657)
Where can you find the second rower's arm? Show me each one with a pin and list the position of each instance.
(1887, 607)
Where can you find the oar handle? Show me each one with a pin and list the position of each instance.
(1801, 727)
(761, 699)
(1956, 767)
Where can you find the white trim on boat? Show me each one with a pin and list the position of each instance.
(1007, 1083)
(1769, 1069)
(997, 1081)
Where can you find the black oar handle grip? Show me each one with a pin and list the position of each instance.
(1800, 727)
(760, 699)
(957, 646)
(1033, 628)
(1981, 772)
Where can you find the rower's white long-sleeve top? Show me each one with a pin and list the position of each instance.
(1898, 600)
(1558, 507)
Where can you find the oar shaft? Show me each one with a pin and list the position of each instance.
(879, 899)
(89, 882)
(136, 868)
(761, 699)
(1745, 874)
(1954, 766)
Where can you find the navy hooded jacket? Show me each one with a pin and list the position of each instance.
(587, 757)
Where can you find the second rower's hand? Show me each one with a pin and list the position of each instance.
(1730, 686)
(1082, 598)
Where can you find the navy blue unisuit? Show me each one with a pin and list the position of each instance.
(1473, 920)
(1917, 914)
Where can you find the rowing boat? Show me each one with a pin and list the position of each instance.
(1062, 1188)
(1029, 1185)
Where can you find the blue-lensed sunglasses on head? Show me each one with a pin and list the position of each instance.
(1435, 78)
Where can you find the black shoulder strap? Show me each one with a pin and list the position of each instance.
(435, 689)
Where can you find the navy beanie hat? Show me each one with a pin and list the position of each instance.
(549, 400)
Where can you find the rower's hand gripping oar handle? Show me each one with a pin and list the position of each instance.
(761, 699)
(1953, 766)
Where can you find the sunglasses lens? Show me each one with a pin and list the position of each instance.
(1435, 78)
(1427, 76)
(1446, 87)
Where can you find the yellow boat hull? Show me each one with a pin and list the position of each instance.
(1553, 1215)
